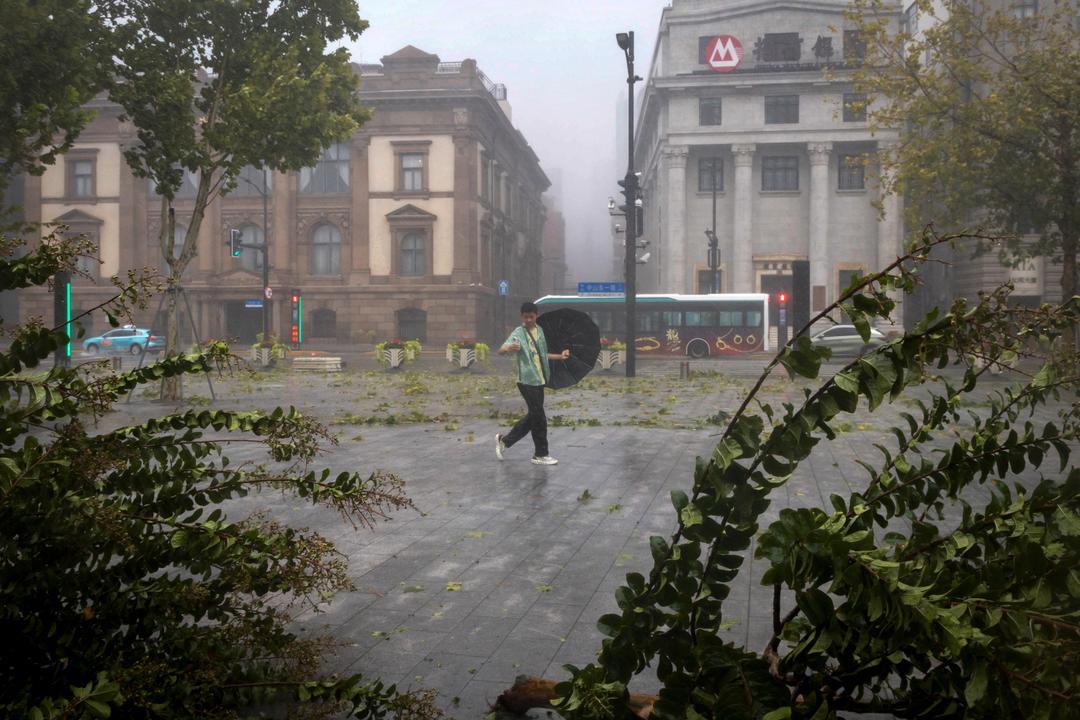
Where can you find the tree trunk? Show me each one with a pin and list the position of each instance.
(171, 386)
(1068, 280)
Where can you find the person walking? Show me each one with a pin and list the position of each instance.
(531, 368)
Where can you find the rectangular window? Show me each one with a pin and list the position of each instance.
(252, 181)
(672, 318)
(412, 172)
(700, 318)
(753, 319)
(780, 109)
(710, 111)
(485, 177)
(705, 279)
(854, 107)
(83, 179)
(909, 21)
(781, 47)
(1025, 9)
(710, 169)
(330, 175)
(846, 278)
(413, 261)
(648, 321)
(852, 175)
(780, 173)
(854, 46)
(729, 319)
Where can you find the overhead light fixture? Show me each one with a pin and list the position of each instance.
(644, 258)
(623, 39)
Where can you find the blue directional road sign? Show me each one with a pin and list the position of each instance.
(601, 288)
(253, 303)
(504, 287)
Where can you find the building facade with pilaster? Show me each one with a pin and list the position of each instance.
(748, 108)
(405, 229)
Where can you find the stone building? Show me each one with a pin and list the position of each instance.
(553, 274)
(752, 99)
(403, 230)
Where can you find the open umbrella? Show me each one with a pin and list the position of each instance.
(573, 330)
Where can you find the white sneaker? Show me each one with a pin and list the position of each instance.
(545, 460)
(500, 447)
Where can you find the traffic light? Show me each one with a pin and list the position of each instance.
(296, 329)
(781, 298)
(235, 248)
(62, 315)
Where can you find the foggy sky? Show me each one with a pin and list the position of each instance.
(563, 73)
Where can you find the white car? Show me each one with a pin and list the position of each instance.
(845, 340)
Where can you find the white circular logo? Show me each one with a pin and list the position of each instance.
(268, 292)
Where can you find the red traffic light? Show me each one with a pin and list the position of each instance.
(782, 297)
(296, 298)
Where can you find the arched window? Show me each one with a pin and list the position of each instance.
(250, 258)
(412, 324)
(413, 255)
(323, 323)
(326, 250)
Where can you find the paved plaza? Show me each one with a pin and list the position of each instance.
(506, 566)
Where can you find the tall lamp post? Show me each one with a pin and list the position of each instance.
(630, 190)
(714, 244)
(264, 249)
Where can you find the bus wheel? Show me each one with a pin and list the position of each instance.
(697, 349)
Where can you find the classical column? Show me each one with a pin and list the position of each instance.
(674, 158)
(742, 244)
(889, 237)
(820, 262)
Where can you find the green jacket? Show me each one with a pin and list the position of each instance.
(524, 365)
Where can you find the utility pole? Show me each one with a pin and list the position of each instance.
(264, 248)
(714, 244)
(266, 255)
(630, 191)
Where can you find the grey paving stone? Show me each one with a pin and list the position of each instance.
(537, 565)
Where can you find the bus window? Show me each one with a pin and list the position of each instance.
(730, 318)
(753, 318)
(700, 318)
(672, 318)
(603, 320)
(648, 321)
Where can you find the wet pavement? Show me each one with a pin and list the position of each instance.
(507, 566)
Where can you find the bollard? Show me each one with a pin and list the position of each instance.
(117, 363)
(684, 370)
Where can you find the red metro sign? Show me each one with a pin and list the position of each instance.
(723, 53)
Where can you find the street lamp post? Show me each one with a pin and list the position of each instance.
(264, 249)
(630, 190)
(714, 244)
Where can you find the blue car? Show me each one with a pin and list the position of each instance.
(123, 340)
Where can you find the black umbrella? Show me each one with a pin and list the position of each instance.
(572, 330)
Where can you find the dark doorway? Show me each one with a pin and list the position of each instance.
(412, 324)
(242, 323)
(323, 323)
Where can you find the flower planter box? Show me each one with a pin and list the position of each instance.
(609, 359)
(395, 357)
(261, 356)
(461, 357)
